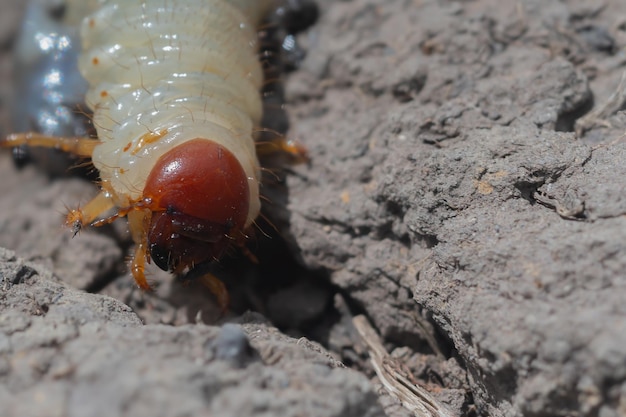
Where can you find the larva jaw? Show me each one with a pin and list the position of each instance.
(200, 202)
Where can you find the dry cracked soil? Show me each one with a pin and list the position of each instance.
(465, 192)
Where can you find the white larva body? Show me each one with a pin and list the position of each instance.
(174, 86)
(164, 72)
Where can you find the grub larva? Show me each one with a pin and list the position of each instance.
(174, 89)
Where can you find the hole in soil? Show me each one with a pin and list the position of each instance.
(297, 300)
(566, 121)
(527, 190)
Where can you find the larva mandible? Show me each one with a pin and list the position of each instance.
(174, 89)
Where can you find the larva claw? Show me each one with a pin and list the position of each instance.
(294, 150)
(74, 221)
(76, 227)
(78, 218)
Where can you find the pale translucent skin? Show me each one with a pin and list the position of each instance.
(164, 72)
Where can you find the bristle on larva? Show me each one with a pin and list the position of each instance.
(174, 89)
(163, 72)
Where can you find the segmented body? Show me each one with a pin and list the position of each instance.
(174, 89)
(163, 72)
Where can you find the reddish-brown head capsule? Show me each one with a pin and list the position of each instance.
(200, 201)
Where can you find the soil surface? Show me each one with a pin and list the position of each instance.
(465, 192)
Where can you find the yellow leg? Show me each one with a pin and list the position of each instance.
(138, 267)
(79, 146)
(138, 223)
(80, 217)
(217, 288)
(294, 149)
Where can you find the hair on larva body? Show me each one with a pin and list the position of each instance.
(163, 72)
(174, 86)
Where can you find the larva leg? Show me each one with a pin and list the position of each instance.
(80, 217)
(201, 273)
(295, 150)
(138, 223)
(217, 288)
(280, 53)
(138, 267)
(80, 146)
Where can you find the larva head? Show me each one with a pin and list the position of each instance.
(200, 201)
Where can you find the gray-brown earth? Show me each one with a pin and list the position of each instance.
(448, 198)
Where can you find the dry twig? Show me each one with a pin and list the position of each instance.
(396, 379)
